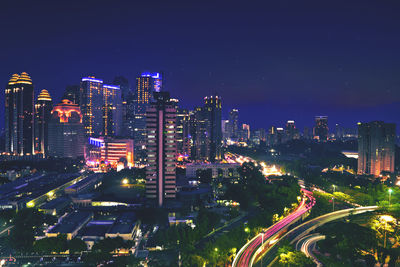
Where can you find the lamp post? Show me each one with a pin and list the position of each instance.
(390, 193)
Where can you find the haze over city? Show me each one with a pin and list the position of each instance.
(199, 134)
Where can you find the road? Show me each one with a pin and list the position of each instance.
(248, 253)
(306, 228)
(307, 246)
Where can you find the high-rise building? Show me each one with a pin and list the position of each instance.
(321, 129)
(146, 85)
(161, 149)
(112, 110)
(212, 116)
(123, 83)
(72, 93)
(233, 128)
(101, 107)
(43, 108)
(225, 129)
(376, 147)
(198, 131)
(19, 115)
(244, 132)
(66, 131)
(291, 131)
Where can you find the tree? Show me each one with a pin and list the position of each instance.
(76, 245)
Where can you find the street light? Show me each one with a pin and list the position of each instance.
(334, 188)
(390, 193)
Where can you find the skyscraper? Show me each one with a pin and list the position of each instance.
(161, 149)
(212, 115)
(146, 85)
(43, 108)
(376, 147)
(19, 110)
(321, 129)
(66, 131)
(72, 93)
(291, 131)
(101, 107)
(233, 124)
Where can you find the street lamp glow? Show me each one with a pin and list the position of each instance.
(247, 229)
(125, 181)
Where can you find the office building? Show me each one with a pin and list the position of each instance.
(291, 131)
(72, 93)
(376, 147)
(321, 129)
(225, 129)
(244, 133)
(146, 85)
(101, 107)
(115, 153)
(161, 149)
(200, 138)
(233, 129)
(212, 116)
(19, 115)
(66, 131)
(43, 108)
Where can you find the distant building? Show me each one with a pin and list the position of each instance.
(321, 129)
(225, 129)
(161, 149)
(233, 126)
(146, 85)
(43, 108)
(66, 132)
(291, 131)
(212, 114)
(376, 147)
(244, 132)
(19, 112)
(109, 152)
(225, 170)
(101, 107)
(72, 93)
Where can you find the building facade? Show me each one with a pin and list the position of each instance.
(376, 147)
(146, 85)
(161, 149)
(321, 130)
(66, 131)
(43, 108)
(101, 107)
(19, 115)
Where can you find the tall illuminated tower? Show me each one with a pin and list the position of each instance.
(19, 110)
(43, 108)
(233, 124)
(161, 149)
(212, 114)
(376, 147)
(91, 104)
(101, 107)
(146, 85)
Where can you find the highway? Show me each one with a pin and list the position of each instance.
(249, 251)
(307, 245)
(306, 228)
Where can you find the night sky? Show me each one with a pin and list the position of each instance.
(274, 62)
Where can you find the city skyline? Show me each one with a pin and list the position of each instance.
(318, 67)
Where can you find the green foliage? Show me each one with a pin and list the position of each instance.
(76, 245)
(25, 223)
(108, 245)
(252, 190)
(349, 240)
(52, 244)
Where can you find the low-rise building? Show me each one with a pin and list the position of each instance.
(70, 224)
(218, 169)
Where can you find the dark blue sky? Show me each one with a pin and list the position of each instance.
(274, 61)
